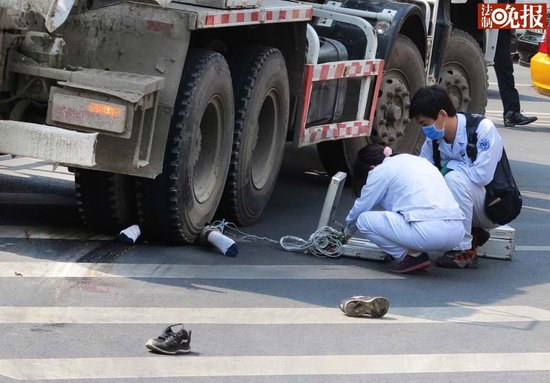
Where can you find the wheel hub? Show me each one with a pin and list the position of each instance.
(457, 86)
(392, 111)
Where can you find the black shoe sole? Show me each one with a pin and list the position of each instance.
(157, 350)
(360, 306)
(419, 266)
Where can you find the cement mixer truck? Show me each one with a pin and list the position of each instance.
(172, 113)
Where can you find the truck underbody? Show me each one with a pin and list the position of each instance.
(174, 114)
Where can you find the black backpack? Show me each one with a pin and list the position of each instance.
(503, 200)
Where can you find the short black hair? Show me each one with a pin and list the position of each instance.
(370, 155)
(429, 100)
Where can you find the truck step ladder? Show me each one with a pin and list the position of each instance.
(369, 70)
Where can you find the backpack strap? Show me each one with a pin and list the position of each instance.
(472, 122)
(436, 154)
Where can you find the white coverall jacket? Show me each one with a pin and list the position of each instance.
(468, 179)
(420, 213)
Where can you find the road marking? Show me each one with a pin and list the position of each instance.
(49, 174)
(536, 195)
(11, 173)
(38, 232)
(52, 269)
(499, 112)
(197, 366)
(20, 161)
(495, 84)
(26, 167)
(543, 118)
(270, 316)
(536, 208)
(542, 124)
(532, 248)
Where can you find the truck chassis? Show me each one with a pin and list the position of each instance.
(173, 114)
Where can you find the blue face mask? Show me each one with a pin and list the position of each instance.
(432, 132)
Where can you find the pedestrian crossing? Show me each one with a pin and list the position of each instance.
(362, 362)
(255, 318)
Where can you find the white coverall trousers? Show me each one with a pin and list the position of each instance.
(390, 232)
(471, 201)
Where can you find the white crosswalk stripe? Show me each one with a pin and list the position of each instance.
(270, 316)
(543, 119)
(25, 167)
(157, 367)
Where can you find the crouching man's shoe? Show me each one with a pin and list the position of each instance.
(410, 263)
(459, 259)
(512, 119)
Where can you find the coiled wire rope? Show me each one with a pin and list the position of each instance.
(324, 242)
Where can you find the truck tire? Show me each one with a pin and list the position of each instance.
(106, 201)
(176, 205)
(464, 73)
(403, 76)
(260, 83)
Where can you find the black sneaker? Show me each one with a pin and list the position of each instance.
(170, 342)
(410, 263)
(512, 119)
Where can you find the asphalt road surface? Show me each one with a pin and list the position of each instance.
(78, 307)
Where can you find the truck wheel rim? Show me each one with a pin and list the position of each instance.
(207, 149)
(263, 155)
(394, 103)
(455, 79)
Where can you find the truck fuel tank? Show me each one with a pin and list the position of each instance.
(328, 97)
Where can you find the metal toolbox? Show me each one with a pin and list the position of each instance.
(500, 245)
